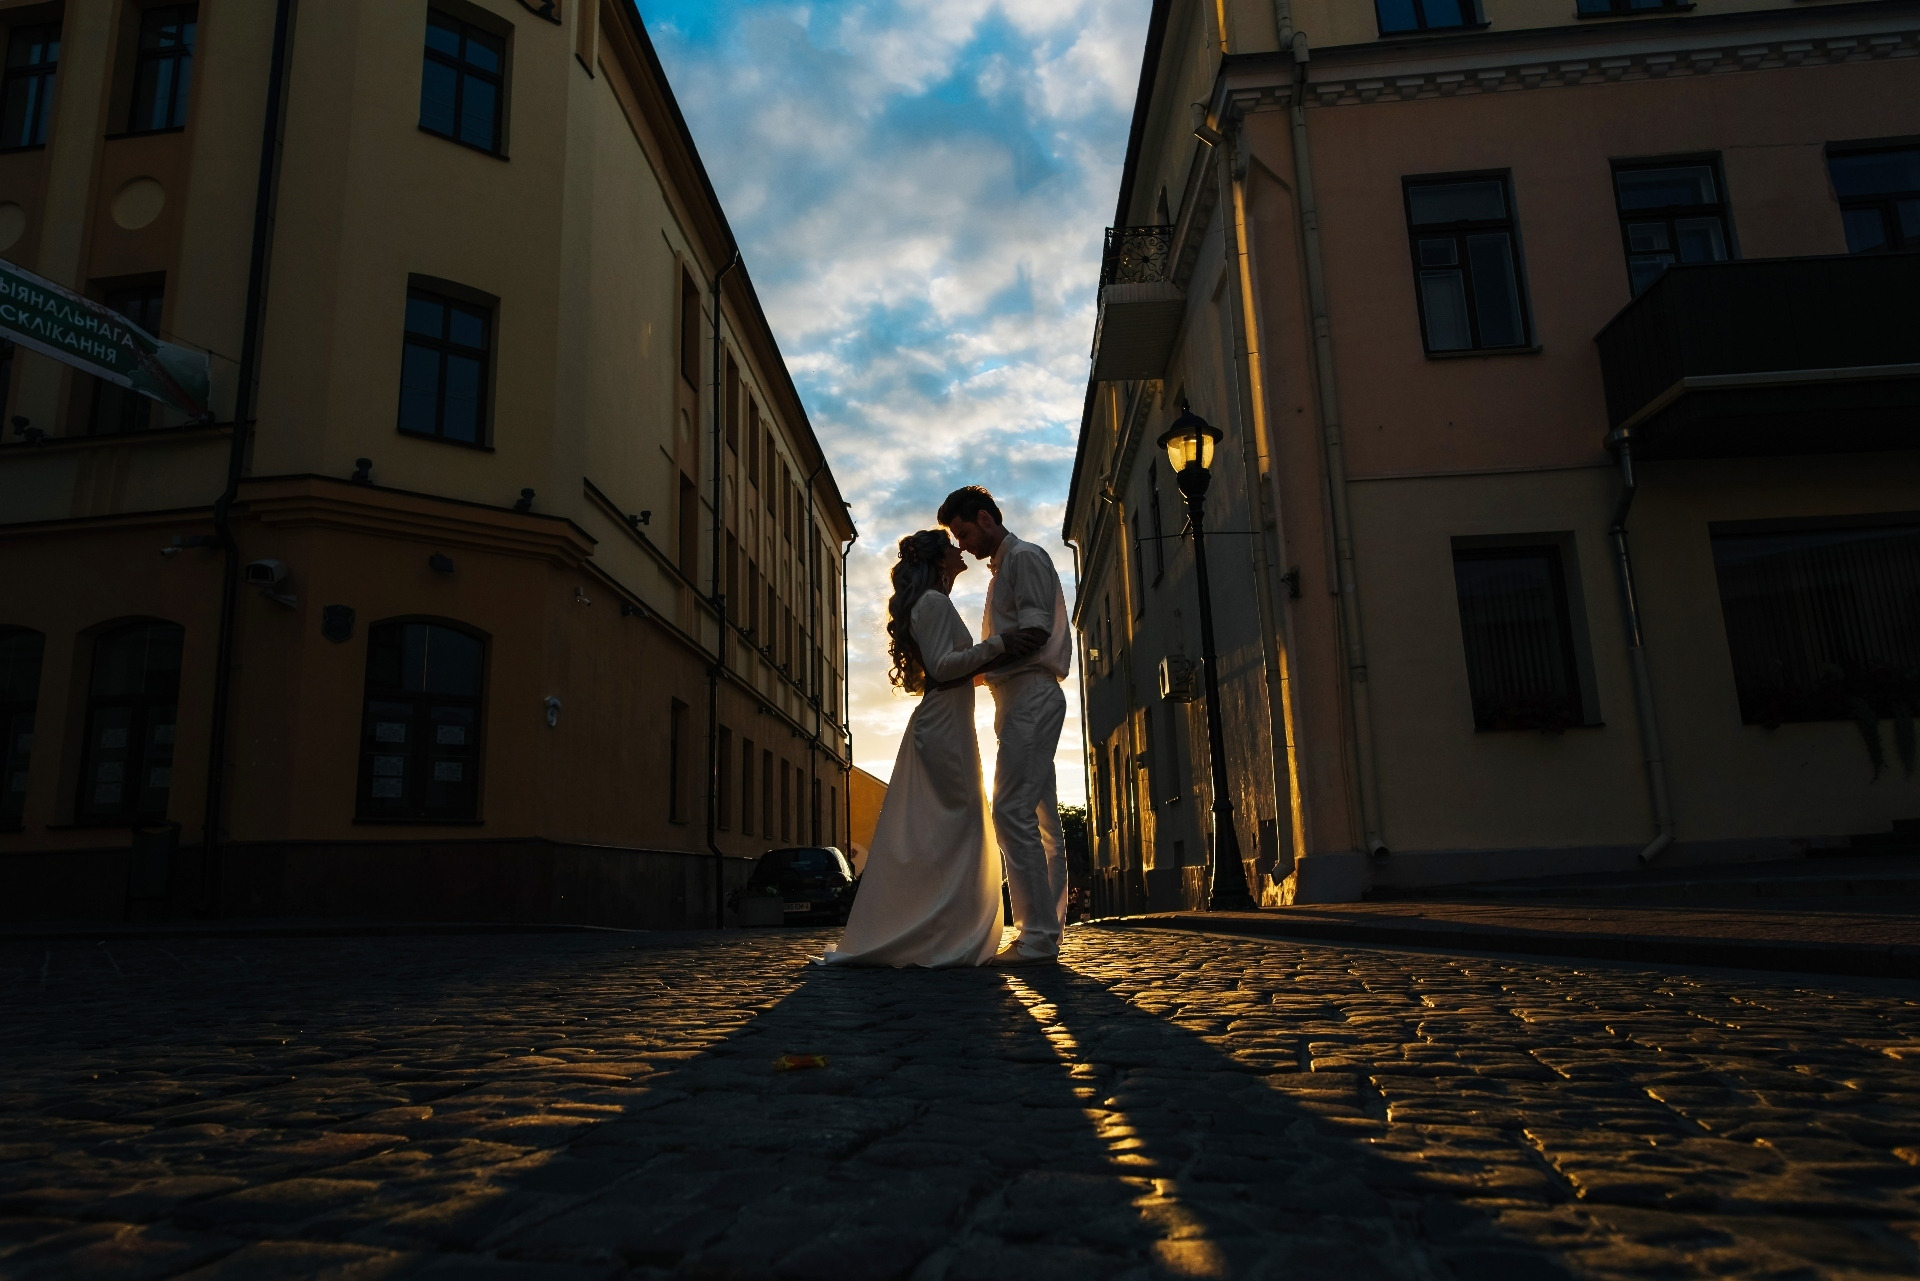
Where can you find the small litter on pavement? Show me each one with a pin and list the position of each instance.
(791, 1062)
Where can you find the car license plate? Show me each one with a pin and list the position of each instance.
(799, 907)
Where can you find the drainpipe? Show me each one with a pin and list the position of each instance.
(720, 614)
(265, 190)
(1359, 695)
(1086, 766)
(846, 690)
(1650, 748)
(813, 637)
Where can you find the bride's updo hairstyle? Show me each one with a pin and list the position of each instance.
(918, 569)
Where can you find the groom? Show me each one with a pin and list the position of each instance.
(1024, 599)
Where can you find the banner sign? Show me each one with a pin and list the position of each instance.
(38, 314)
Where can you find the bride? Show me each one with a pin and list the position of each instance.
(930, 894)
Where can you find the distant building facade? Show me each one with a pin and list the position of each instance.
(505, 582)
(1568, 511)
(868, 794)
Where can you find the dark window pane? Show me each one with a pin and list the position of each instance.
(1866, 229)
(477, 102)
(484, 51)
(452, 662)
(468, 328)
(1648, 237)
(1700, 239)
(1876, 173)
(1437, 203)
(1666, 188)
(1440, 253)
(1909, 219)
(426, 316)
(1646, 269)
(1448, 13)
(1396, 15)
(20, 653)
(1596, 6)
(1444, 295)
(443, 34)
(438, 87)
(1822, 624)
(1496, 293)
(419, 389)
(460, 419)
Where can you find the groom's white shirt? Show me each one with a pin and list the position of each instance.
(1025, 591)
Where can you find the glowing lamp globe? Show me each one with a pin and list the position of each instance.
(1189, 442)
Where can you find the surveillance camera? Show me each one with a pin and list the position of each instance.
(265, 574)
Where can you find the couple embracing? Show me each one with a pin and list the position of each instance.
(930, 894)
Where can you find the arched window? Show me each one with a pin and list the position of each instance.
(19, 693)
(131, 707)
(420, 737)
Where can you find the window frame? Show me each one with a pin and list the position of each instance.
(1570, 619)
(181, 55)
(136, 413)
(368, 737)
(1625, 9)
(1885, 202)
(1476, 23)
(141, 709)
(462, 69)
(1722, 208)
(452, 297)
(16, 761)
(1459, 231)
(47, 73)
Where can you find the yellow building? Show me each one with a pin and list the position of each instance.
(504, 582)
(1567, 515)
(866, 795)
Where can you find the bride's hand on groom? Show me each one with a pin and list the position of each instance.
(1025, 641)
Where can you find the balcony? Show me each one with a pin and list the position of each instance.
(1770, 356)
(1140, 306)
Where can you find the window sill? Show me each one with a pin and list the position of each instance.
(99, 825)
(30, 146)
(419, 822)
(155, 435)
(497, 155)
(445, 440)
(1415, 33)
(1485, 353)
(1569, 729)
(145, 133)
(1637, 13)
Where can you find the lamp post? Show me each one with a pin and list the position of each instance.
(1189, 444)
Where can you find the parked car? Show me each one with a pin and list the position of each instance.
(815, 884)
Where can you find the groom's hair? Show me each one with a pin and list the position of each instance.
(967, 503)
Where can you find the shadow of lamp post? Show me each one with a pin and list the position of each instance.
(1189, 444)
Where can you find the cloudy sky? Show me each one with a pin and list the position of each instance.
(920, 188)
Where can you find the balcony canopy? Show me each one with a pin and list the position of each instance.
(1770, 356)
(1140, 306)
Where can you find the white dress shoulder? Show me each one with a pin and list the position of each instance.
(930, 893)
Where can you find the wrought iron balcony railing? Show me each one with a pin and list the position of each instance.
(1137, 256)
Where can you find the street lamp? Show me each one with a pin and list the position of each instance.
(1189, 444)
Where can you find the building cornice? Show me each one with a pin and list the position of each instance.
(1585, 54)
(342, 506)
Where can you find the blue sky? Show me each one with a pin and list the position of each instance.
(920, 188)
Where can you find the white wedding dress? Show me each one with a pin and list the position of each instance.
(930, 894)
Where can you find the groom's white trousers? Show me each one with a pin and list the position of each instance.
(1028, 711)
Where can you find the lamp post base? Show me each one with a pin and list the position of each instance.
(1228, 890)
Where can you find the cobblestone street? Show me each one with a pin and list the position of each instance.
(1163, 1104)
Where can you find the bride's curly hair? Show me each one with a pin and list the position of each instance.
(918, 569)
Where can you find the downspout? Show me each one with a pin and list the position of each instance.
(1359, 695)
(1086, 765)
(812, 684)
(720, 612)
(265, 189)
(1637, 656)
(846, 689)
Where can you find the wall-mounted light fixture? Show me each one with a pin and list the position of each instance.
(1202, 130)
(23, 426)
(180, 544)
(553, 710)
(268, 576)
(637, 519)
(440, 563)
(525, 502)
(362, 472)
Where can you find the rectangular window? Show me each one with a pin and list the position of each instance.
(163, 68)
(115, 408)
(1399, 16)
(766, 792)
(733, 577)
(420, 728)
(766, 476)
(733, 405)
(747, 787)
(689, 330)
(26, 95)
(678, 763)
(689, 528)
(786, 801)
(1823, 624)
(1599, 8)
(753, 601)
(443, 369)
(723, 786)
(753, 443)
(1137, 569)
(131, 706)
(1467, 263)
(833, 816)
(463, 83)
(1517, 626)
(20, 652)
(1670, 211)
(1148, 755)
(1879, 195)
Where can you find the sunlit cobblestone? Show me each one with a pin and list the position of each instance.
(1163, 1104)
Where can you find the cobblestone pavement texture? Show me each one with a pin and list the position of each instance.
(1162, 1104)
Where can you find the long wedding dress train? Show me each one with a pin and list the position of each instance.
(930, 893)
